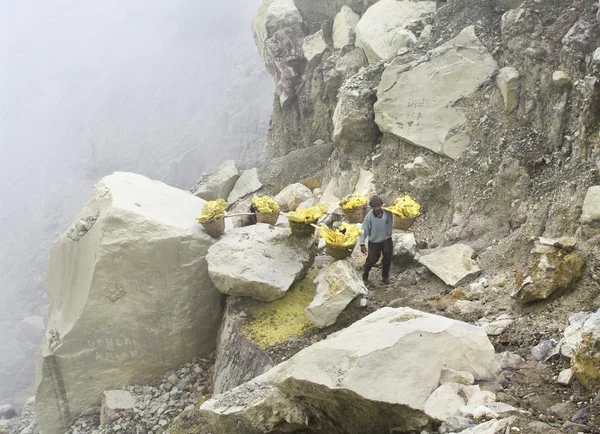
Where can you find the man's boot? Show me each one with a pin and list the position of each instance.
(365, 278)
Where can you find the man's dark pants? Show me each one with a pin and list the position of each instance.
(375, 250)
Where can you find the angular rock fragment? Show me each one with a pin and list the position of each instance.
(268, 260)
(292, 196)
(219, 183)
(337, 286)
(590, 213)
(548, 270)
(114, 403)
(314, 45)
(454, 264)
(247, 183)
(586, 361)
(344, 28)
(508, 81)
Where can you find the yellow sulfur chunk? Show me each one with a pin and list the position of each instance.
(308, 215)
(405, 207)
(213, 210)
(353, 201)
(347, 235)
(265, 204)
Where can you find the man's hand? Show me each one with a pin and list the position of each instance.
(363, 249)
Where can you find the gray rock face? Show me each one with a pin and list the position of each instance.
(590, 213)
(303, 165)
(345, 378)
(381, 30)
(344, 27)
(268, 260)
(278, 34)
(237, 360)
(508, 82)
(246, 184)
(130, 298)
(416, 101)
(337, 286)
(451, 264)
(218, 184)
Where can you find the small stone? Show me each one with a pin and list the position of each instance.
(540, 351)
(561, 78)
(565, 377)
(508, 360)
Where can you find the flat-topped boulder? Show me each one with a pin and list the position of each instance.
(130, 296)
(259, 261)
(361, 379)
(454, 264)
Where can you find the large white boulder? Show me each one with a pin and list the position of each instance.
(417, 101)
(292, 196)
(130, 296)
(219, 183)
(381, 30)
(259, 261)
(453, 264)
(247, 183)
(344, 28)
(363, 379)
(337, 286)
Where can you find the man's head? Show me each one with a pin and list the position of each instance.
(376, 205)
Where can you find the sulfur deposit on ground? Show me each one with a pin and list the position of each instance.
(277, 322)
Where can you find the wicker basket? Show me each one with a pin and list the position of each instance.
(269, 218)
(339, 252)
(302, 229)
(214, 228)
(403, 224)
(356, 215)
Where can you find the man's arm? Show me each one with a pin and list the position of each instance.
(366, 227)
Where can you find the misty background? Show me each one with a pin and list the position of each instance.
(164, 88)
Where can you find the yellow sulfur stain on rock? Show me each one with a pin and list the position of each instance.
(277, 321)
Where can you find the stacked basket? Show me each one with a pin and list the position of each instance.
(339, 252)
(269, 218)
(356, 215)
(302, 229)
(403, 224)
(214, 228)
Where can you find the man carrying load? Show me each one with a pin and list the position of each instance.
(377, 227)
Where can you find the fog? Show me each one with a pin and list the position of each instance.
(165, 88)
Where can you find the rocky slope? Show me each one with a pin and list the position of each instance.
(486, 113)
